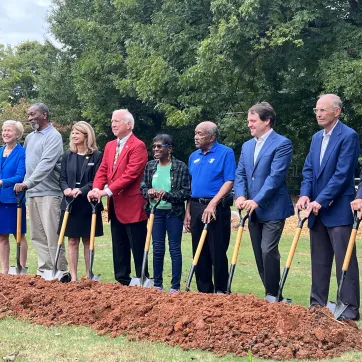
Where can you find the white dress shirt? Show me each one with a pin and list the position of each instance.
(259, 143)
(325, 141)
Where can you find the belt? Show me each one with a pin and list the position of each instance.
(201, 200)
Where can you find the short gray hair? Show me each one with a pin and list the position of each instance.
(128, 117)
(336, 100)
(214, 132)
(18, 126)
(42, 107)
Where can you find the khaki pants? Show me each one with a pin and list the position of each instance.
(44, 213)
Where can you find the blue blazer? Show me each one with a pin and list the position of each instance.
(331, 184)
(12, 171)
(265, 182)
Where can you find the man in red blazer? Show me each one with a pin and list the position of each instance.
(119, 177)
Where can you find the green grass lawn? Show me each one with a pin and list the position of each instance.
(38, 343)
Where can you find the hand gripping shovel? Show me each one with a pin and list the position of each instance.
(54, 273)
(144, 281)
(18, 269)
(236, 250)
(91, 243)
(339, 307)
(278, 298)
(197, 256)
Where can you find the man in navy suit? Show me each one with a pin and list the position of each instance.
(326, 192)
(261, 189)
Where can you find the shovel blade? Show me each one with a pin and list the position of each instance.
(271, 299)
(14, 270)
(337, 308)
(147, 283)
(96, 278)
(138, 282)
(135, 282)
(62, 276)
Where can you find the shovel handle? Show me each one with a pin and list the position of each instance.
(301, 220)
(92, 232)
(20, 197)
(154, 207)
(68, 201)
(200, 245)
(238, 237)
(94, 204)
(62, 230)
(293, 247)
(237, 245)
(349, 251)
(18, 224)
(351, 242)
(150, 226)
(149, 231)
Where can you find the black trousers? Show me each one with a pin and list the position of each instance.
(124, 238)
(327, 243)
(265, 237)
(214, 251)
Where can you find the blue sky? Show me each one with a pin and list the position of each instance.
(22, 20)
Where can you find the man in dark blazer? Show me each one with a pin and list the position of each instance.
(261, 189)
(326, 192)
(121, 170)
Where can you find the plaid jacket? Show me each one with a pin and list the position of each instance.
(180, 185)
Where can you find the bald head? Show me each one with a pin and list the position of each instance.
(206, 134)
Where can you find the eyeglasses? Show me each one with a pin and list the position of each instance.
(323, 110)
(158, 147)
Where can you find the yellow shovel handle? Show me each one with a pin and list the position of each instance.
(347, 258)
(293, 247)
(62, 230)
(149, 231)
(237, 245)
(199, 247)
(92, 232)
(18, 225)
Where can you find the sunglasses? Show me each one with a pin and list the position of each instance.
(158, 147)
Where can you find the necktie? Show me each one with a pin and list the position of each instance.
(118, 149)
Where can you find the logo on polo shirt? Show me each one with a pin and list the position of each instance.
(197, 160)
(211, 160)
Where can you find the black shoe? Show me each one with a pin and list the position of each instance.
(66, 278)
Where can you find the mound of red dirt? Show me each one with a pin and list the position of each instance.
(219, 323)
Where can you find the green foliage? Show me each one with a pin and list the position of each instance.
(19, 71)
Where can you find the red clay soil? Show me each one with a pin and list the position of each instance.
(218, 323)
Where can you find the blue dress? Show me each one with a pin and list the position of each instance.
(8, 210)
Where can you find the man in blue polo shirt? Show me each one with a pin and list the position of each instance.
(212, 170)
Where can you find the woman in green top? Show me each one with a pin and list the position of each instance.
(168, 179)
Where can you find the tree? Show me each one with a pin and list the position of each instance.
(19, 71)
(174, 63)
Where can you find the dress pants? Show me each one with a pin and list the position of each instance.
(44, 213)
(215, 247)
(124, 238)
(265, 238)
(327, 243)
